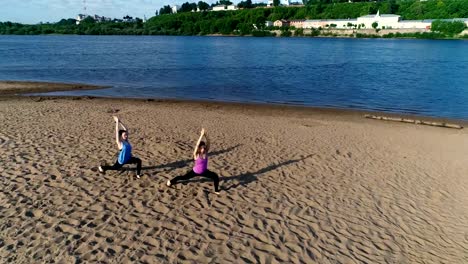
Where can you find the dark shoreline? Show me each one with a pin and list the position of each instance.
(365, 36)
(256, 108)
(11, 87)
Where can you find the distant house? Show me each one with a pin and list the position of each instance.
(268, 23)
(298, 23)
(313, 23)
(224, 8)
(281, 23)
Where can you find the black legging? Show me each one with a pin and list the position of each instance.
(191, 174)
(117, 165)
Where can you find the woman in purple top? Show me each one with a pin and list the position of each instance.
(200, 155)
(125, 155)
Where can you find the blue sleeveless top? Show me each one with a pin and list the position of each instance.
(125, 153)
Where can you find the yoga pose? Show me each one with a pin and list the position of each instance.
(125, 155)
(200, 155)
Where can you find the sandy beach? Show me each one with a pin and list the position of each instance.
(298, 185)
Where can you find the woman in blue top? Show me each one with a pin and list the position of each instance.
(125, 155)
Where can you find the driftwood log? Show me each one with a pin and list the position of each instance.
(414, 121)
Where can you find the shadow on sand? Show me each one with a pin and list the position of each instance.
(245, 178)
(248, 177)
(180, 163)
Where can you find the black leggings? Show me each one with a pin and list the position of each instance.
(191, 174)
(118, 166)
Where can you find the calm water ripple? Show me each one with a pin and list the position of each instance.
(423, 77)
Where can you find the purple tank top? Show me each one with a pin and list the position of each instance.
(201, 165)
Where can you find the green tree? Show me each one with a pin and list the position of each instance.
(448, 27)
(188, 7)
(299, 32)
(375, 25)
(286, 33)
(237, 22)
(165, 10)
(393, 7)
(276, 2)
(87, 21)
(245, 4)
(203, 5)
(66, 22)
(225, 2)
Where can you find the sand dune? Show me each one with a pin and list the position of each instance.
(299, 186)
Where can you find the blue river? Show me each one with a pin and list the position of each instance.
(421, 77)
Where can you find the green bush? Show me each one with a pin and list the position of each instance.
(286, 33)
(299, 32)
(262, 33)
(448, 27)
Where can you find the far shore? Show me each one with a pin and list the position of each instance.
(324, 33)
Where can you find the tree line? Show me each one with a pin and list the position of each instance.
(247, 21)
(203, 6)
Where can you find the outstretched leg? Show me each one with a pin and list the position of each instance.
(136, 160)
(185, 177)
(214, 177)
(116, 166)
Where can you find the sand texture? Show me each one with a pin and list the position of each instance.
(298, 186)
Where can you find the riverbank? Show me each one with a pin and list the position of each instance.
(23, 87)
(298, 185)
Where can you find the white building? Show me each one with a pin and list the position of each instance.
(175, 9)
(330, 23)
(219, 8)
(268, 23)
(232, 7)
(224, 8)
(387, 21)
(420, 24)
(80, 17)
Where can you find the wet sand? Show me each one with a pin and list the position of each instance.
(20, 87)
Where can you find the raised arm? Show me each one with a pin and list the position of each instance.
(117, 136)
(123, 126)
(198, 144)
